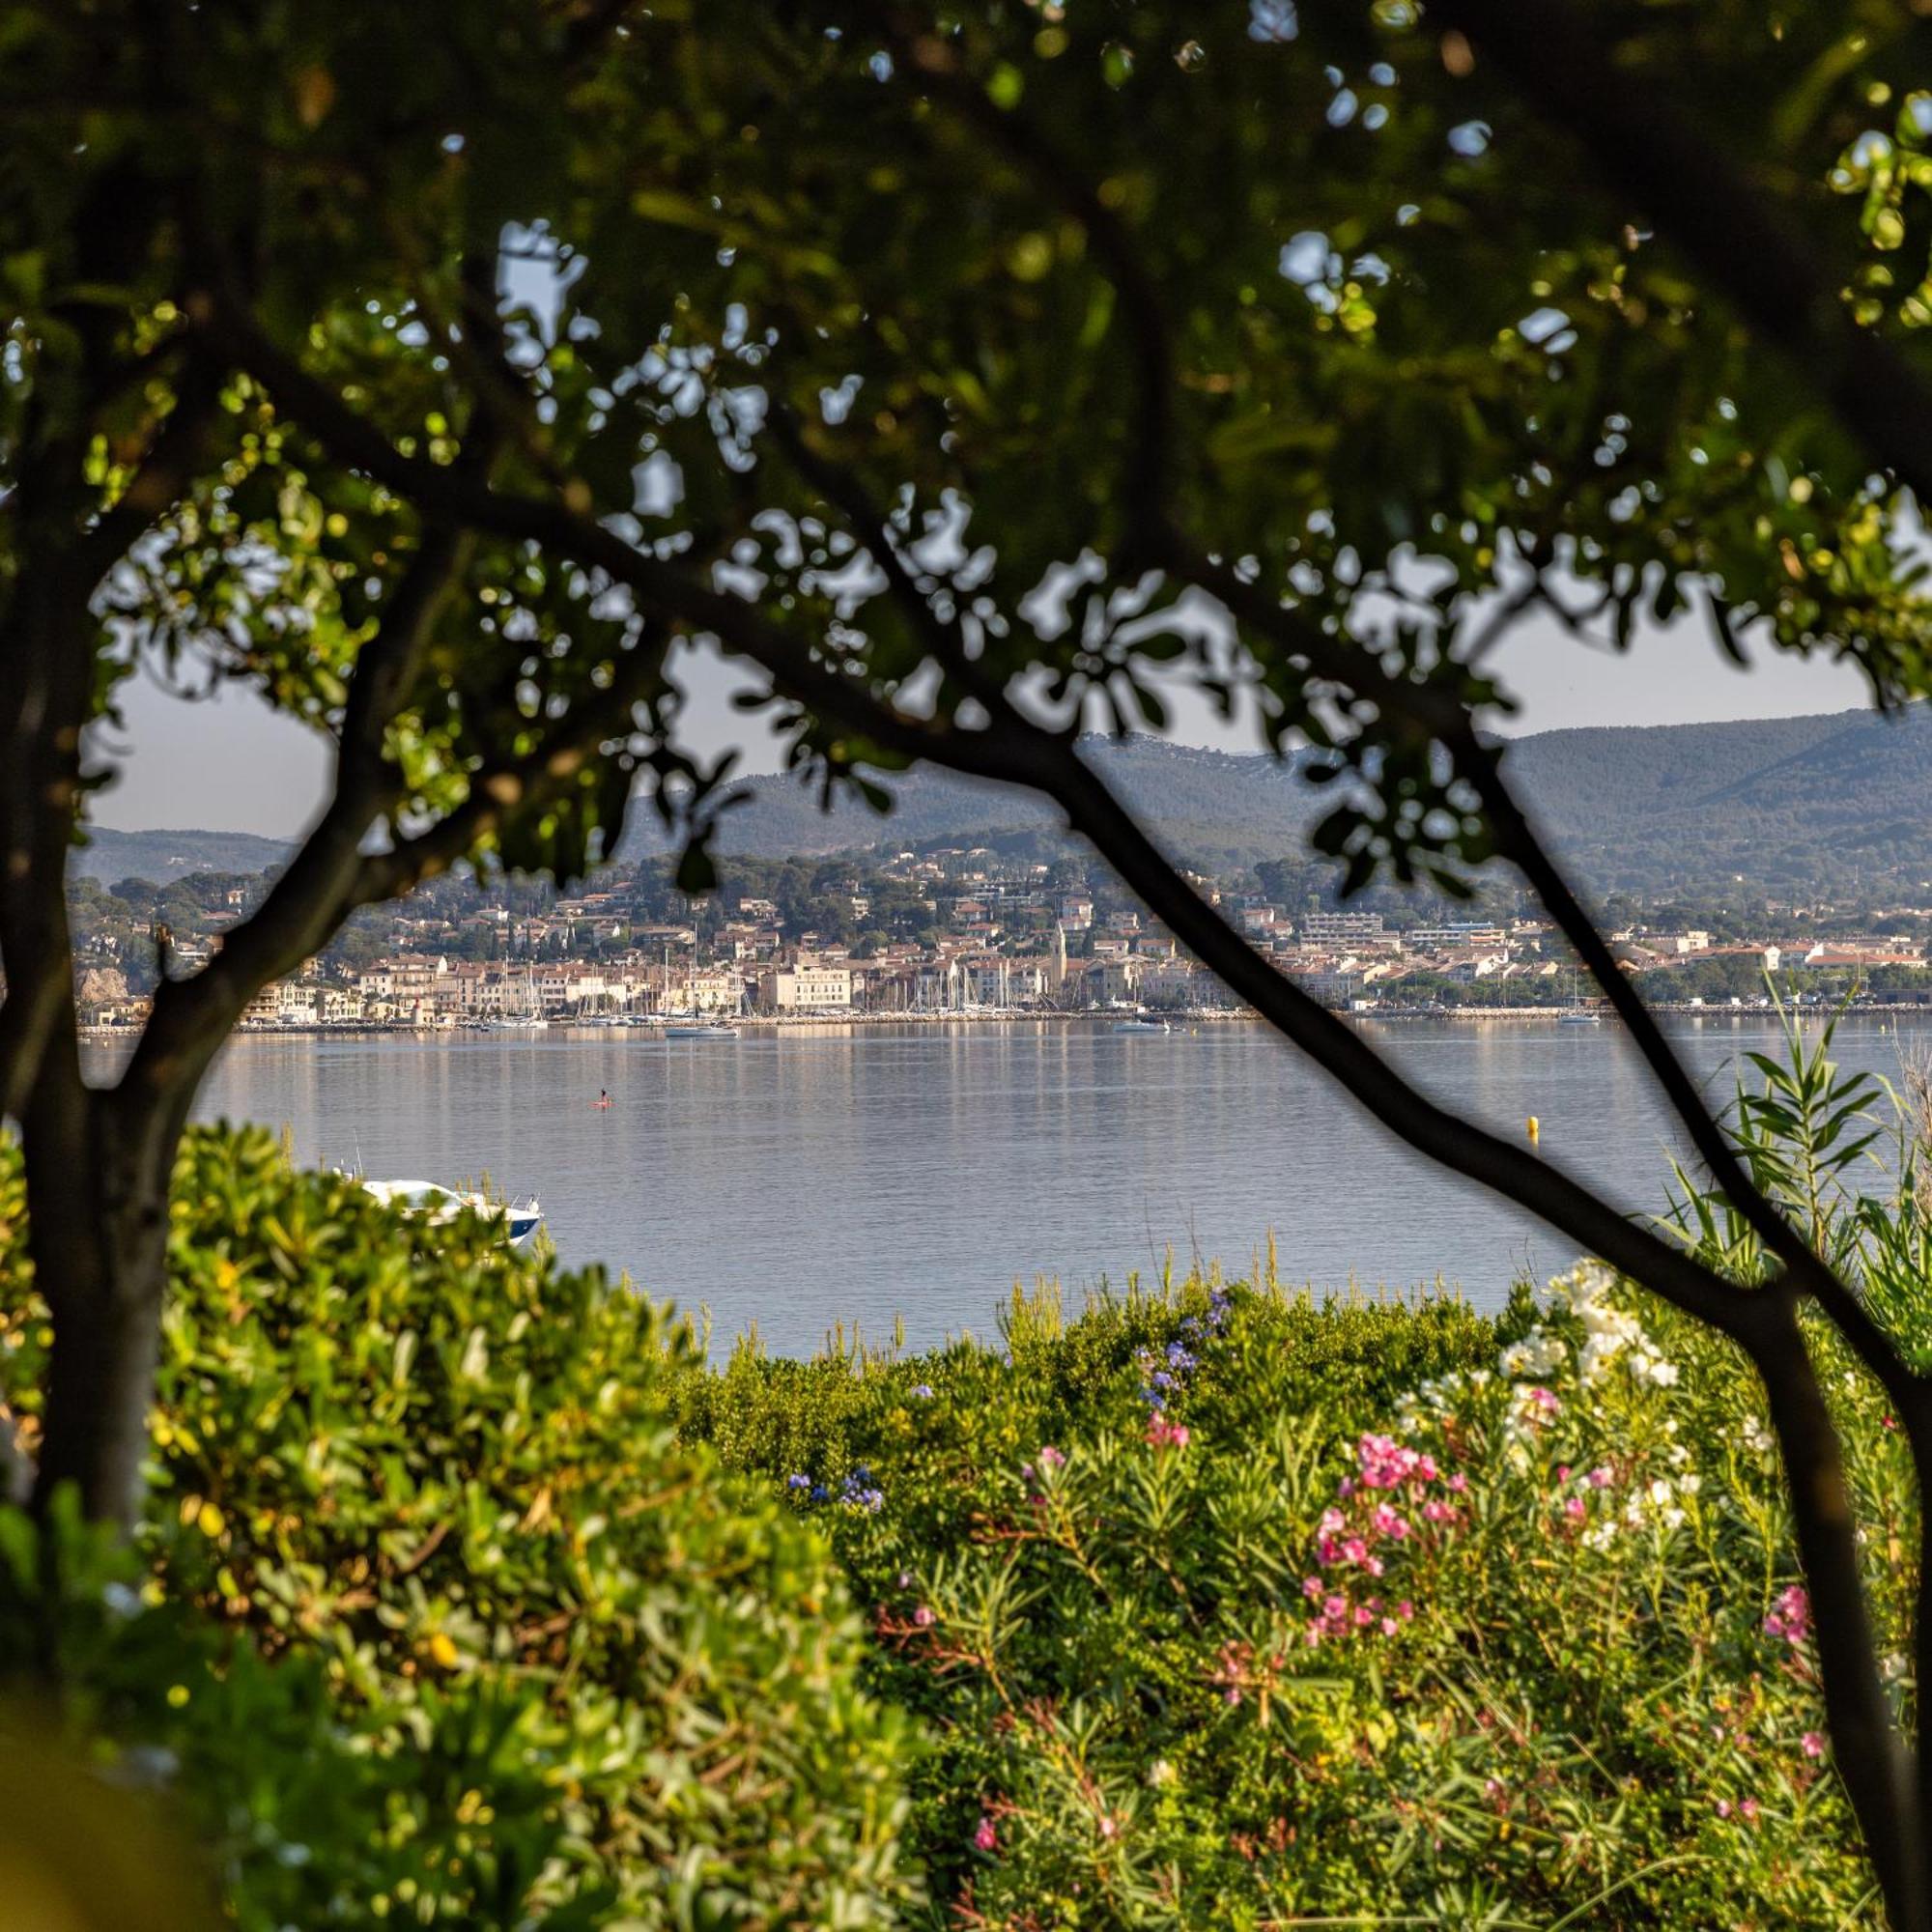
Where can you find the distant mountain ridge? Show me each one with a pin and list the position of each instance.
(1833, 801)
(163, 856)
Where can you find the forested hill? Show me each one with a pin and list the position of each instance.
(161, 857)
(1839, 805)
(1833, 804)
(1211, 805)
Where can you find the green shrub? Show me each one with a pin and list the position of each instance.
(1156, 1698)
(595, 1678)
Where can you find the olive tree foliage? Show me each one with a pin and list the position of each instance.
(945, 364)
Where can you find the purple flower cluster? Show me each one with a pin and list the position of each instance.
(1166, 1371)
(858, 1492)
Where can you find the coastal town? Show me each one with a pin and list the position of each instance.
(952, 932)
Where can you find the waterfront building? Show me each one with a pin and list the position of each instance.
(807, 986)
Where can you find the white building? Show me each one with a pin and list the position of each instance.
(806, 988)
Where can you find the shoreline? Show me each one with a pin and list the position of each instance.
(1190, 1017)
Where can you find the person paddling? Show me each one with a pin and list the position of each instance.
(602, 1099)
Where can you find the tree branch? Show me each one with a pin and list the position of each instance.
(1519, 845)
(47, 643)
(191, 1017)
(1449, 723)
(445, 492)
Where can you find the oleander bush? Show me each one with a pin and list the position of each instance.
(421, 1507)
(1342, 1614)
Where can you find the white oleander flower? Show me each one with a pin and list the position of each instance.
(1645, 1367)
(1538, 1354)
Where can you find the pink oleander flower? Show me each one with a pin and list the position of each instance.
(1747, 1810)
(1434, 1510)
(1543, 1399)
(1364, 1616)
(1354, 1550)
(1335, 1608)
(1385, 1463)
(1459, 1482)
(987, 1838)
(1724, 1808)
(1576, 1509)
(1790, 1617)
(1389, 1626)
(1110, 1827)
(1389, 1523)
(1332, 1522)
(1311, 1587)
(1811, 1745)
(926, 1616)
(1563, 1472)
(1051, 1457)
(1161, 1434)
(1600, 1478)
(1404, 1609)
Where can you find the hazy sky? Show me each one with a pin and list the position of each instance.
(230, 765)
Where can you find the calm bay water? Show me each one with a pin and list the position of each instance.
(855, 1174)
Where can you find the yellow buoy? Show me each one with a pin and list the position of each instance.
(1535, 1130)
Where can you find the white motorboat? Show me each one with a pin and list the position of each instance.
(699, 1029)
(436, 1203)
(1142, 1025)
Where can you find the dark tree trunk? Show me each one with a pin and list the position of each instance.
(99, 1385)
(98, 1176)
